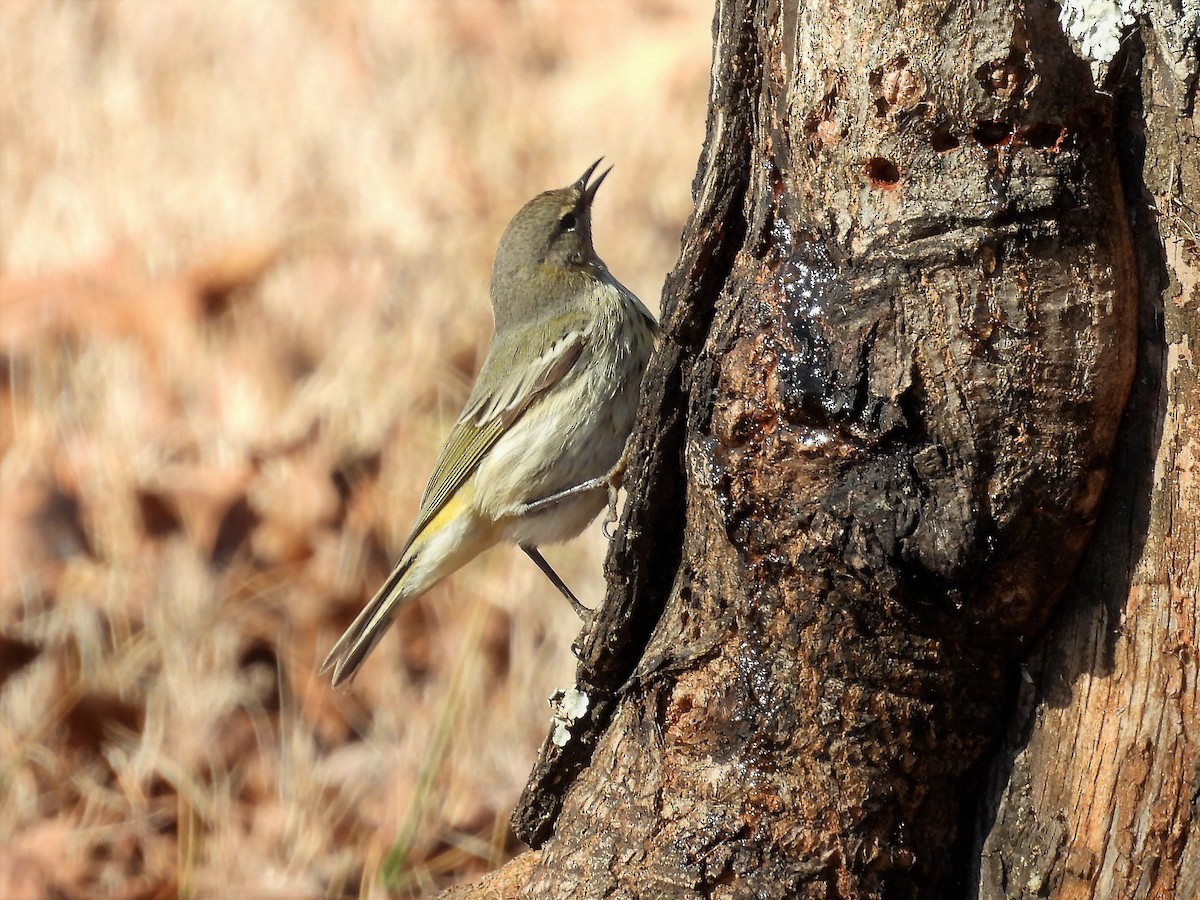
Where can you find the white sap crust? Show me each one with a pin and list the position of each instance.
(1096, 27)
(569, 706)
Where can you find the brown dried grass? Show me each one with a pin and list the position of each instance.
(243, 258)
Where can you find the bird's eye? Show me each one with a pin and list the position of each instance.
(567, 222)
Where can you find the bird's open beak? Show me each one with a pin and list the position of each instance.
(588, 192)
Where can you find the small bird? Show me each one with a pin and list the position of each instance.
(539, 448)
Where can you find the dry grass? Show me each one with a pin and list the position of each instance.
(243, 257)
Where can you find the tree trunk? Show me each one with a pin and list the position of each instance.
(872, 447)
(1095, 793)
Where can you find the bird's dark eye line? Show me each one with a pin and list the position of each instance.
(568, 222)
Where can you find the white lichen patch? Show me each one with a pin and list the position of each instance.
(569, 707)
(1097, 27)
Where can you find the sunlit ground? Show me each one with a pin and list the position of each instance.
(244, 250)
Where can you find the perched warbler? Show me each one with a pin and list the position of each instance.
(539, 447)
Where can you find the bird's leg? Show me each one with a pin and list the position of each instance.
(612, 481)
(538, 506)
(580, 610)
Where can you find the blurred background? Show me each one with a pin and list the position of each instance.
(244, 252)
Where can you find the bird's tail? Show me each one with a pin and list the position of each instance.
(454, 536)
(368, 627)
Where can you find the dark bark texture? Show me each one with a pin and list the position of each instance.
(896, 351)
(1095, 793)
(872, 447)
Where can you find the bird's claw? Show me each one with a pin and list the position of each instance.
(616, 478)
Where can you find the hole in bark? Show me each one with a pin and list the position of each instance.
(943, 141)
(1042, 135)
(993, 134)
(882, 173)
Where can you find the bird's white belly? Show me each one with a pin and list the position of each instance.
(576, 433)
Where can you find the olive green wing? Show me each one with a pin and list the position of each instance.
(490, 413)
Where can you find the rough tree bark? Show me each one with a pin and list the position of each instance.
(872, 448)
(1095, 793)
